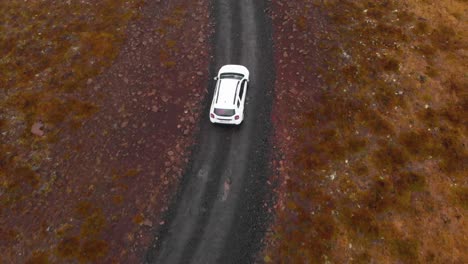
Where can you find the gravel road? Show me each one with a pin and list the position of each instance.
(219, 214)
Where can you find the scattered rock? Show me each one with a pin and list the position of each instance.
(38, 129)
(332, 176)
(147, 223)
(227, 187)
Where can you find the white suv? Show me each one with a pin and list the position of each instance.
(228, 102)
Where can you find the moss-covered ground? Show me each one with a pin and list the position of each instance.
(95, 123)
(370, 115)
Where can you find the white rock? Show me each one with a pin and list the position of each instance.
(37, 129)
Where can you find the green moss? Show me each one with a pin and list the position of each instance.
(419, 143)
(405, 250)
(376, 123)
(380, 197)
(363, 222)
(460, 196)
(386, 97)
(454, 157)
(356, 144)
(390, 158)
(409, 181)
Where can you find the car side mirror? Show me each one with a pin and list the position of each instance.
(215, 78)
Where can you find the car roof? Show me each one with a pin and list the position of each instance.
(235, 69)
(226, 92)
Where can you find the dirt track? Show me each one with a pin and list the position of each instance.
(219, 214)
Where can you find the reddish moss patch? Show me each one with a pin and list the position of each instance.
(85, 209)
(93, 250)
(132, 173)
(68, 248)
(138, 219)
(25, 175)
(38, 257)
(93, 224)
(9, 236)
(3, 124)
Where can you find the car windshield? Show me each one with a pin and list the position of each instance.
(224, 112)
(231, 75)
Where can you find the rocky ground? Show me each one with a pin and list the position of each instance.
(370, 99)
(99, 101)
